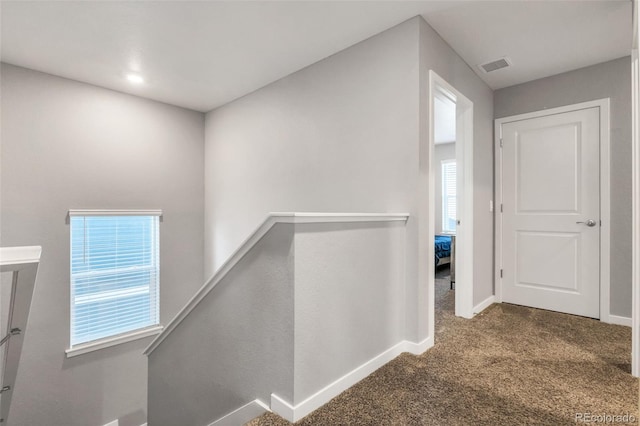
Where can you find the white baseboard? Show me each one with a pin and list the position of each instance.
(243, 414)
(484, 304)
(615, 319)
(116, 422)
(418, 348)
(295, 413)
(282, 408)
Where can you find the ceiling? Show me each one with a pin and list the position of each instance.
(203, 54)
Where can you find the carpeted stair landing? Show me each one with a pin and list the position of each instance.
(510, 365)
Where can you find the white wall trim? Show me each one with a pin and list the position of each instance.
(96, 212)
(618, 320)
(605, 194)
(484, 305)
(497, 207)
(553, 111)
(283, 408)
(267, 224)
(439, 87)
(635, 194)
(418, 348)
(22, 263)
(294, 413)
(11, 257)
(605, 210)
(112, 341)
(243, 414)
(116, 422)
(310, 217)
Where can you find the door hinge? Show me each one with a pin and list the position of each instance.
(501, 143)
(501, 208)
(500, 273)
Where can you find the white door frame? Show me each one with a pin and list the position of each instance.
(464, 233)
(605, 195)
(635, 229)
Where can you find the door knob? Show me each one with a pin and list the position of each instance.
(589, 222)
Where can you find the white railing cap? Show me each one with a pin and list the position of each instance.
(271, 219)
(19, 255)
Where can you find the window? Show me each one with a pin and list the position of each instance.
(114, 273)
(449, 196)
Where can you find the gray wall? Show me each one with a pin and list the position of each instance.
(308, 304)
(441, 152)
(349, 299)
(71, 145)
(235, 346)
(338, 136)
(436, 55)
(344, 135)
(607, 80)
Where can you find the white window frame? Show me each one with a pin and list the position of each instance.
(82, 348)
(445, 196)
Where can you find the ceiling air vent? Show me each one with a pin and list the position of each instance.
(495, 65)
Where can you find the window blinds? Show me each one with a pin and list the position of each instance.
(114, 274)
(449, 214)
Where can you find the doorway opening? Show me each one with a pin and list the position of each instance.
(450, 254)
(445, 172)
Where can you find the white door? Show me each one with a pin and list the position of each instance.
(551, 212)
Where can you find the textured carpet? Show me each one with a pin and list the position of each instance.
(510, 365)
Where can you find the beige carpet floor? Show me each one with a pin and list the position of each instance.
(510, 365)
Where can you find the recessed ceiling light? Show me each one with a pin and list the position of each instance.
(135, 78)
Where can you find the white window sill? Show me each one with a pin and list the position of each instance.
(112, 341)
